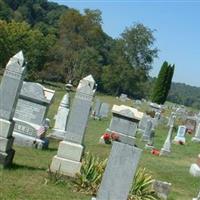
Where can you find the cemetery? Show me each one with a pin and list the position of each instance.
(82, 117)
(29, 171)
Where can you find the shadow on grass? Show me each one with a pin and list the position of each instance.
(16, 166)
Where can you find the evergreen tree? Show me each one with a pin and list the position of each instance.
(160, 87)
(169, 79)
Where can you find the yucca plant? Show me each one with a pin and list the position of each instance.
(89, 179)
(142, 187)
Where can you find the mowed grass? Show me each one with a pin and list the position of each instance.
(27, 179)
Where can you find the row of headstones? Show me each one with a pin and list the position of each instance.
(123, 159)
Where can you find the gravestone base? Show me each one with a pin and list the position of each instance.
(67, 160)
(6, 143)
(195, 170)
(58, 134)
(6, 158)
(6, 128)
(179, 139)
(164, 152)
(195, 139)
(65, 166)
(28, 141)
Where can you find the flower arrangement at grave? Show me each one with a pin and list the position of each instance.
(189, 131)
(180, 142)
(155, 152)
(107, 138)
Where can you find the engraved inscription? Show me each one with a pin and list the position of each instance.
(13, 74)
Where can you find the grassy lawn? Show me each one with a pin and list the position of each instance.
(28, 179)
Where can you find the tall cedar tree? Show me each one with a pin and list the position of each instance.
(161, 85)
(169, 79)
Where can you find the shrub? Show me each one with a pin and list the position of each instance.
(142, 187)
(89, 179)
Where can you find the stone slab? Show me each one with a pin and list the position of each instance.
(195, 170)
(6, 128)
(119, 172)
(65, 166)
(57, 134)
(28, 141)
(69, 150)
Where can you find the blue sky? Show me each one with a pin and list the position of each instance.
(177, 25)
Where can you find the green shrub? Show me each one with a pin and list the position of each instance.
(89, 179)
(142, 187)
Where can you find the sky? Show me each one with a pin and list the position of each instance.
(176, 25)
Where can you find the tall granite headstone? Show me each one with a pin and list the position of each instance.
(68, 159)
(104, 110)
(196, 138)
(9, 92)
(121, 166)
(61, 117)
(147, 131)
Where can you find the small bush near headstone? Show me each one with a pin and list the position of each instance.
(142, 187)
(88, 181)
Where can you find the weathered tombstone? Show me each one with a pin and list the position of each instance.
(104, 110)
(143, 123)
(123, 97)
(10, 87)
(155, 107)
(122, 164)
(96, 111)
(30, 115)
(195, 168)
(150, 142)
(167, 145)
(147, 131)
(61, 117)
(161, 188)
(156, 119)
(196, 138)
(180, 137)
(68, 158)
(123, 123)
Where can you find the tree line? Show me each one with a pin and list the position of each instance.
(62, 44)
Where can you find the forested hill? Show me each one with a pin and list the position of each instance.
(38, 13)
(185, 94)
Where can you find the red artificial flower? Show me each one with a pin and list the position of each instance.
(106, 136)
(155, 152)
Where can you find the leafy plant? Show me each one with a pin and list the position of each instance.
(89, 179)
(142, 187)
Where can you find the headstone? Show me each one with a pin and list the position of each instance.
(10, 87)
(143, 123)
(150, 143)
(196, 138)
(197, 198)
(96, 111)
(30, 115)
(68, 158)
(161, 188)
(147, 132)
(104, 110)
(167, 145)
(123, 97)
(195, 168)
(122, 164)
(156, 119)
(123, 122)
(61, 117)
(155, 107)
(180, 137)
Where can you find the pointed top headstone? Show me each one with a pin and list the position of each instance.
(86, 85)
(16, 63)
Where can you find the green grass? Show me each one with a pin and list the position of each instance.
(27, 179)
